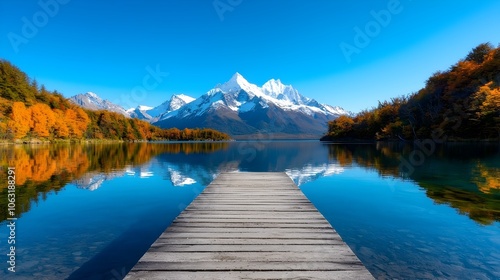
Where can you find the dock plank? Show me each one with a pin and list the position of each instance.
(250, 226)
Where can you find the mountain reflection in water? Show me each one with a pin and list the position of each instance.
(107, 192)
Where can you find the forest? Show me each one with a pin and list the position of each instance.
(29, 111)
(461, 103)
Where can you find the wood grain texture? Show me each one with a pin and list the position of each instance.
(250, 226)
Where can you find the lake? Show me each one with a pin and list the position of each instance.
(91, 211)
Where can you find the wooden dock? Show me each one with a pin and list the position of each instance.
(250, 226)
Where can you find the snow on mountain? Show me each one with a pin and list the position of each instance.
(278, 90)
(238, 94)
(237, 107)
(92, 101)
(140, 112)
(254, 109)
(152, 113)
(144, 108)
(235, 84)
(177, 101)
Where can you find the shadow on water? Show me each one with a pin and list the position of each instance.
(118, 258)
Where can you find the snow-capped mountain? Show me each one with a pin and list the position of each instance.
(237, 107)
(175, 102)
(242, 109)
(140, 112)
(152, 113)
(92, 101)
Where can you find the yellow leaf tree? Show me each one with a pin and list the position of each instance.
(60, 128)
(42, 119)
(19, 121)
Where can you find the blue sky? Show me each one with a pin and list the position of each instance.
(114, 48)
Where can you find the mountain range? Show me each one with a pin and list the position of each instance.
(92, 101)
(236, 107)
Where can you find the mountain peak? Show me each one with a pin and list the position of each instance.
(91, 94)
(236, 75)
(182, 97)
(237, 79)
(236, 83)
(274, 81)
(177, 101)
(92, 101)
(274, 87)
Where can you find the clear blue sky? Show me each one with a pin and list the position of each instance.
(106, 46)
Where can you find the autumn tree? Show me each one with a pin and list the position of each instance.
(82, 120)
(19, 120)
(77, 122)
(60, 128)
(42, 120)
(341, 126)
(489, 99)
(478, 54)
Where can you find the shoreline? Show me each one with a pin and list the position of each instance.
(100, 141)
(367, 141)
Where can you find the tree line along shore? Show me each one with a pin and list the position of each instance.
(459, 104)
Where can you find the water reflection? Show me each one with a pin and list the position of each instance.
(122, 196)
(486, 178)
(464, 176)
(42, 169)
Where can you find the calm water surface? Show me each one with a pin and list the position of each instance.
(91, 211)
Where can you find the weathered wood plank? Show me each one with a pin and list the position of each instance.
(249, 275)
(245, 241)
(168, 248)
(284, 234)
(291, 220)
(227, 264)
(250, 215)
(225, 225)
(254, 230)
(248, 256)
(250, 226)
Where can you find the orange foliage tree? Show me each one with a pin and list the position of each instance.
(61, 130)
(42, 119)
(19, 120)
(77, 122)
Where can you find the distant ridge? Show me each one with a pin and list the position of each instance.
(92, 101)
